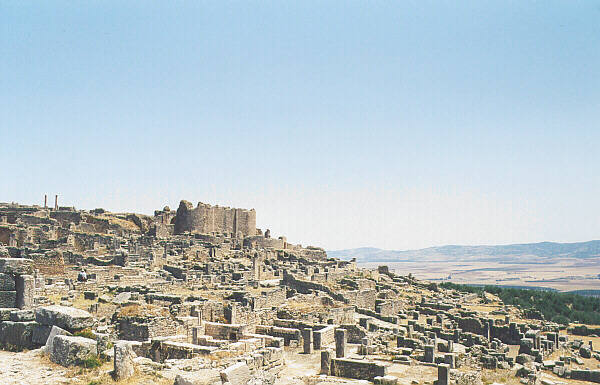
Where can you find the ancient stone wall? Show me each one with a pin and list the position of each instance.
(139, 328)
(225, 331)
(364, 299)
(323, 337)
(361, 370)
(270, 298)
(208, 219)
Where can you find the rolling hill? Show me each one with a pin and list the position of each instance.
(514, 253)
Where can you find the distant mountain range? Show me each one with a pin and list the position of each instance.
(518, 252)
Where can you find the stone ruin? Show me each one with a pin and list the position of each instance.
(202, 296)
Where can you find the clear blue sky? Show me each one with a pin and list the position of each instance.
(344, 124)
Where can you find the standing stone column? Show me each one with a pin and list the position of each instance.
(326, 361)
(450, 359)
(340, 343)
(307, 338)
(443, 375)
(400, 341)
(429, 357)
(457, 335)
(196, 332)
(123, 364)
(25, 287)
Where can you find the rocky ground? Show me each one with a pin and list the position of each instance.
(30, 368)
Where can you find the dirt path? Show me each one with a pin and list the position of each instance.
(30, 368)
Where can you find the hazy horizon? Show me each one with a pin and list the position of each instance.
(400, 125)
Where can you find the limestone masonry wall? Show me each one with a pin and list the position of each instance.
(208, 219)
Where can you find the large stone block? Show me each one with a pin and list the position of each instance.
(307, 338)
(200, 377)
(7, 282)
(357, 369)
(16, 266)
(40, 334)
(340, 343)
(237, 374)
(5, 313)
(17, 335)
(54, 331)
(22, 316)
(123, 360)
(326, 356)
(69, 350)
(8, 299)
(68, 318)
(25, 287)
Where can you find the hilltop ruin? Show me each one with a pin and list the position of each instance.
(201, 296)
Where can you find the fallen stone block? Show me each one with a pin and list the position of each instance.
(53, 332)
(70, 350)
(40, 334)
(201, 377)
(385, 380)
(68, 318)
(237, 374)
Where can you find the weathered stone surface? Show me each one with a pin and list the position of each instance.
(17, 334)
(340, 343)
(53, 332)
(237, 374)
(8, 299)
(201, 377)
(326, 356)
(585, 352)
(16, 266)
(7, 282)
(385, 380)
(69, 350)
(5, 313)
(443, 375)
(25, 287)
(40, 334)
(68, 318)
(22, 315)
(123, 360)
(358, 369)
(307, 338)
(122, 298)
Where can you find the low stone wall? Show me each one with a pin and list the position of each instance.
(305, 287)
(288, 334)
(583, 330)
(225, 331)
(586, 375)
(139, 328)
(357, 369)
(364, 299)
(323, 337)
(164, 350)
(371, 313)
(355, 333)
(17, 335)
